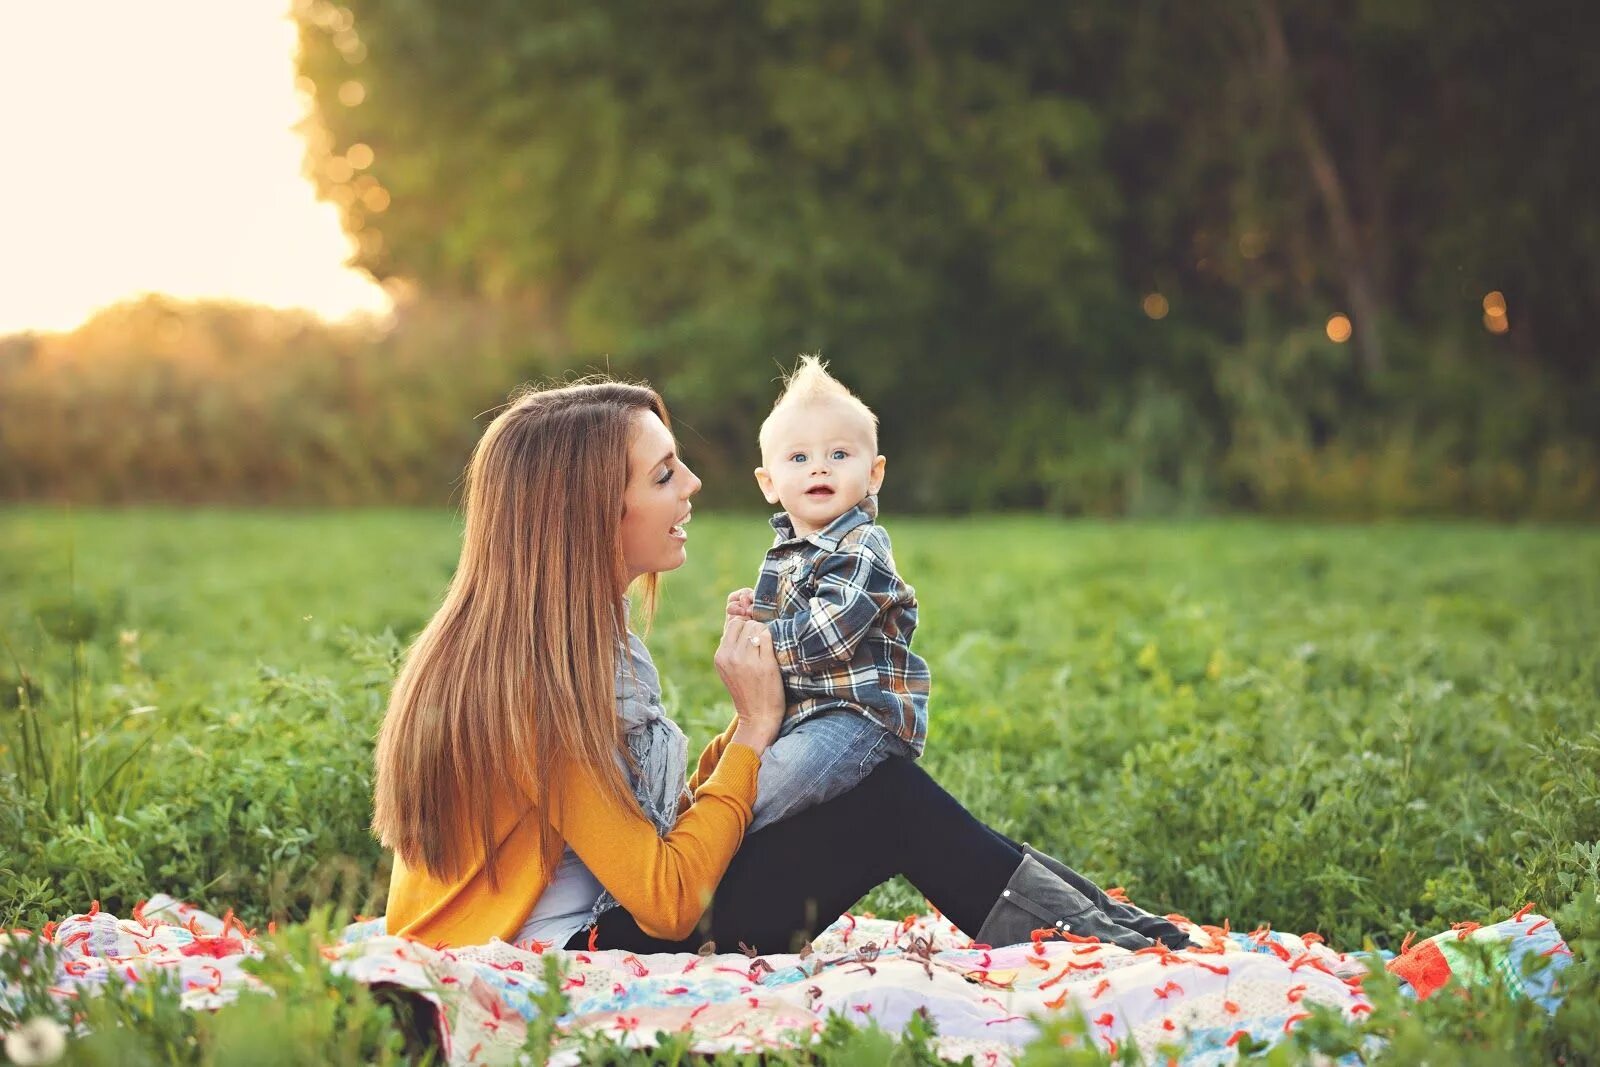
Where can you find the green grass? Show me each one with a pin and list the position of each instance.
(1359, 730)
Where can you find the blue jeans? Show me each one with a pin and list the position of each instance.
(817, 760)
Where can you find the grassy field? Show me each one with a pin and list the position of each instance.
(1359, 730)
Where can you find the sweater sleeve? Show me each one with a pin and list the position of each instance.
(711, 756)
(666, 882)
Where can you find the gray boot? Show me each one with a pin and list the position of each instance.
(1035, 898)
(1153, 926)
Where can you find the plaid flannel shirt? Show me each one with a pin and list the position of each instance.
(841, 621)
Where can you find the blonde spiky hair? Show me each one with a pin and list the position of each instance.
(810, 383)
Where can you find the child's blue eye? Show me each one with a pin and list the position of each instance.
(839, 454)
(798, 457)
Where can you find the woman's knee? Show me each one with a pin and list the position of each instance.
(893, 782)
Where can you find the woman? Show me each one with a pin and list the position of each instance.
(531, 787)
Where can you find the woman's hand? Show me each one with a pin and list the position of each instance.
(748, 668)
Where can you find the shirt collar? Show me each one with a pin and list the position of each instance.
(829, 536)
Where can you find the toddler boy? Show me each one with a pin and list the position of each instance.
(840, 615)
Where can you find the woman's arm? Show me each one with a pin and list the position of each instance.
(666, 882)
(663, 882)
(711, 755)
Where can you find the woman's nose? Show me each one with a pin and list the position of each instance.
(692, 481)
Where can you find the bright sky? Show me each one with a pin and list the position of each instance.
(148, 147)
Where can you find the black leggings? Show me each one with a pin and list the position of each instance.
(790, 880)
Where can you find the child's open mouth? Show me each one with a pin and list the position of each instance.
(821, 490)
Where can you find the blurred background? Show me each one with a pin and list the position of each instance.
(1133, 258)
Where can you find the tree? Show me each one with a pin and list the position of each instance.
(970, 204)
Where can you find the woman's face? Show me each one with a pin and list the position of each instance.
(655, 506)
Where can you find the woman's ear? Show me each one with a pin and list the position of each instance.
(875, 481)
(768, 490)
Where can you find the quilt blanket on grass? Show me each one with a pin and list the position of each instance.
(984, 1002)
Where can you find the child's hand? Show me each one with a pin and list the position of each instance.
(741, 603)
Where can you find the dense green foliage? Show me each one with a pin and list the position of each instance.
(970, 206)
(1361, 731)
(162, 401)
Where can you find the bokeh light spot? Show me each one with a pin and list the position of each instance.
(1155, 305)
(1339, 329)
(350, 46)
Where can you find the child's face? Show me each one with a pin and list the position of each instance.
(819, 463)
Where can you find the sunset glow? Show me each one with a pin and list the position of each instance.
(150, 148)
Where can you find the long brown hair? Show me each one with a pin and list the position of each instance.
(514, 675)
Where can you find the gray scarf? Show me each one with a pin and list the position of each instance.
(659, 750)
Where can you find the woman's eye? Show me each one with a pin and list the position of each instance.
(665, 477)
(839, 454)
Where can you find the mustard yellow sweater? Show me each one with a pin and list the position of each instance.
(665, 883)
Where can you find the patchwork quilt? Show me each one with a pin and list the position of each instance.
(984, 1002)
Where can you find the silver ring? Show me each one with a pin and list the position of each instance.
(755, 640)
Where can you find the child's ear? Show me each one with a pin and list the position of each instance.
(768, 490)
(875, 482)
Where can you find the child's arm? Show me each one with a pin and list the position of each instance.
(854, 585)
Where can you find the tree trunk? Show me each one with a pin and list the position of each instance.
(1359, 289)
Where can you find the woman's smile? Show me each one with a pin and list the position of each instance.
(655, 505)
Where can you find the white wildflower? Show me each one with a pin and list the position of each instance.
(36, 1041)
